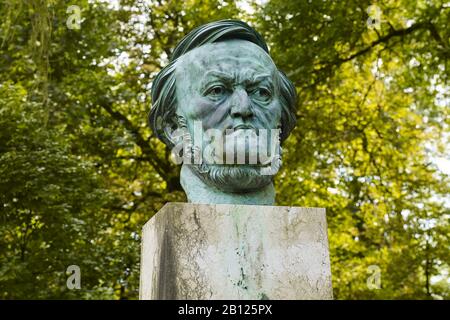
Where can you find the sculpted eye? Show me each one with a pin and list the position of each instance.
(216, 92)
(262, 94)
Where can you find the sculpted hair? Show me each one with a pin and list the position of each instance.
(162, 117)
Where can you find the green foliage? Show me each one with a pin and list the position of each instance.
(80, 172)
(51, 201)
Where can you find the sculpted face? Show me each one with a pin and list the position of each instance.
(228, 84)
(233, 87)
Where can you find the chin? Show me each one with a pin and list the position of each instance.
(234, 178)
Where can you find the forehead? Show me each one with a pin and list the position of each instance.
(228, 56)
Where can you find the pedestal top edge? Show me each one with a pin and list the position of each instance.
(169, 204)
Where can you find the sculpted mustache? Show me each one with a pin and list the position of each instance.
(247, 128)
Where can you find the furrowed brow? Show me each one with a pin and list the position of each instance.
(258, 78)
(226, 77)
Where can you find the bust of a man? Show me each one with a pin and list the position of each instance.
(224, 108)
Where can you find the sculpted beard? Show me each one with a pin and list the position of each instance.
(236, 177)
(232, 178)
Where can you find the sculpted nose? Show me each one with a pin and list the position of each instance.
(240, 105)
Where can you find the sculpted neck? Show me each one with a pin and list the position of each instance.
(198, 191)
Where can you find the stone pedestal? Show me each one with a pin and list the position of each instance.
(199, 251)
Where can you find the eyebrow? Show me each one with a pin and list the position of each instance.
(253, 79)
(217, 74)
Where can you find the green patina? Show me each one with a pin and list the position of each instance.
(222, 77)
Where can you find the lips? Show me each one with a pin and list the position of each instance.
(243, 127)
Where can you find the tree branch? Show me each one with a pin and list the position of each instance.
(161, 168)
(384, 39)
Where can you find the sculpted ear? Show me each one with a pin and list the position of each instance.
(172, 131)
(177, 137)
(288, 95)
(164, 128)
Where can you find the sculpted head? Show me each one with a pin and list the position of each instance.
(224, 106)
